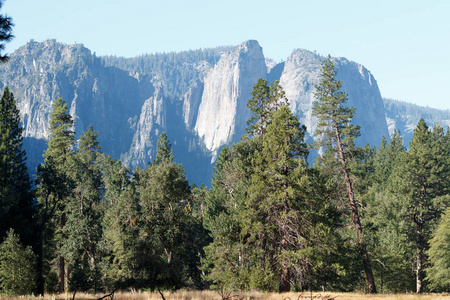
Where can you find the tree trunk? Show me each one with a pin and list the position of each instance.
(40, 263)
(419, 257)
(61, 260)
(285, 285)
(356, 220)
(61, 273)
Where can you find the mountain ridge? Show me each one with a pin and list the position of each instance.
(197, 97)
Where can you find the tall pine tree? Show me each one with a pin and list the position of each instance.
(54, 188)
(84, 212)
(336, 135)
(15, 197)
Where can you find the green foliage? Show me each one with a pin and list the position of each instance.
(389, 245)
(419, 177)
(15, 198)
(54, 188)
(164, 193)
(226, 263)
(335, 136)
(265, 101)
(17, 267)
(438, 272)
(266, 212)
(61, 137)
(164, 153)
(5, 33)
(334, 117)
(81, 246)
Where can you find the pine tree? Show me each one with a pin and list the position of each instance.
(164, 193)
(439, 253)
(5, 33)
(122, 228)
(55, 187)
(419, 179)
(265, 211)
(284, 204)
(384, 218)
(265, 101)
(164, 152)
(336, 135)
(15, 198)
(227, 261)
(17, 266)
(84, 214)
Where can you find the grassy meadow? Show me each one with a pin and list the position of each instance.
(215, 295)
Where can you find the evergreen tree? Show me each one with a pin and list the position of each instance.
(15, 197)
(164, 193)
(226, 263)
(384, 219)
(17, 267)
(438, 271)
(265, 212)
(336, 135)
(285, 211)
(265, 101)
(121, 229)
(54, 188)
(164, 152)
(84, 215)
(419, 180)
(151, 228)
(61, 139)
(5, 33)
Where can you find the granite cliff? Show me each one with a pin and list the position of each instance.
(197, 97)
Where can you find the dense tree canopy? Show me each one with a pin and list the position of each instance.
(269, 222)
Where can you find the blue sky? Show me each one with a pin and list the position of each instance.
(405, 44)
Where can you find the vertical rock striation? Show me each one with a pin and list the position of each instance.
(301, 72)
(197, 97)
(222, 114)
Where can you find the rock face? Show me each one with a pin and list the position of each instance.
(302, 71)
(403, 117)
(223, 114)
(197, 97)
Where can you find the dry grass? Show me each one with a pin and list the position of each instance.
(214, 295)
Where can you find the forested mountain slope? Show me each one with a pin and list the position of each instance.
(404, 117)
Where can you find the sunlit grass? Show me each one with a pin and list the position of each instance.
(214, 295)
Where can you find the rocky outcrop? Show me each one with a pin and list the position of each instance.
(106, 98)
(223, 114)
(197, 97)
(404, 117)
(302, 71)
(150, 124)
(364, 95)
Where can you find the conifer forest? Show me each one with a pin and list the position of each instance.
(359, 219)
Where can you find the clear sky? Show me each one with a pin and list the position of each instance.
(405, 44)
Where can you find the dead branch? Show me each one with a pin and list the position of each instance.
(111, 295)
(162, 295)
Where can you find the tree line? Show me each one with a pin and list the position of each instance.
(360, 219)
